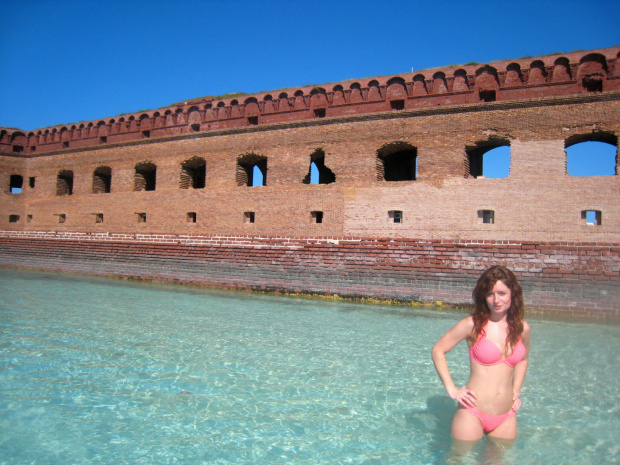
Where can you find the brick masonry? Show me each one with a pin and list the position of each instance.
(66, 218)
(578, 280)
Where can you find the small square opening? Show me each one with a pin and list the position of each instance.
(28, 218)
(98, 217)
(249, 217)
(395, 216)
(317, 217)
(65, 145)
(253, 120)
(141, 217)
(146, 134)
(195, 127)
(487, 96)
(319, 112)
(191, 217)
(486, 216)
(13, 218)
(61, 218)
(592, 217)
(103, 140)
(397, 104)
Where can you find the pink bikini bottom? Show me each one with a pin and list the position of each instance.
(489, 421)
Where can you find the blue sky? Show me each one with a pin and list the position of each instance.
(66, 61)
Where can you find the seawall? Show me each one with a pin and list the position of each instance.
(568, 279)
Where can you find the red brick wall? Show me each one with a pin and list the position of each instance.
(568, 279)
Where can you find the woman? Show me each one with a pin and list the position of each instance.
(498, 340)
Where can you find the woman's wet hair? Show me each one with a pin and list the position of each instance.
(481, 314)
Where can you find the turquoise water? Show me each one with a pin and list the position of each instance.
(108, 372)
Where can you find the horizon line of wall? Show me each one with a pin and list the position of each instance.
(592, 71)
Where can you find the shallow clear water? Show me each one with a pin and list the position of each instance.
(109, 372)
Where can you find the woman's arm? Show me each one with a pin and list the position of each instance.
(521, 368)
(459, 332)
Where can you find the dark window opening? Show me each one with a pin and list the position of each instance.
(61, 218)
(318, 172)
(102, 180)
(103, 140)
(248, 217)
(395, 216)
(592, 217)
(64, 183)
(592, 157)
(319, 112)
(253, 120)
(191, 217)
(487, 96)
(489, 159)
(397, 104)
(195, 127)
(193, 173)
(31, 181)
(145, 177)
(98, 217)
(13, 218)
(486, 216)
(593, 83)
(65, 145)
(146, 134)
(397, 162)
(16, 183)
(33, 149)
(18, 148)
(28, 218)
(251, 170)
(317, 217)
(141, 217)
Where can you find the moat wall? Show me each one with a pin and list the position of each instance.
(402, 209)
(572, 280)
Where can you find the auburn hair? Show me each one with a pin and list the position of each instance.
(481, 313)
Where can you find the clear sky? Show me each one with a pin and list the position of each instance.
(67, 61)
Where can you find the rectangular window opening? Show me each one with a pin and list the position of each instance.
(18, 148)
(487, 96)
(319, 113)
(395, 216)
(13, 218)
(98, 217)
(191, 217)
(195, 127)
(61, 218)
(141, 217)
(317, 217)
(253, 120)
(592, 217)
(65, 145)
(31, 182)
(486, 216)
(15, 184)
(146, 134)
(28, 218)
(397, 104)
(103, 140)
(249, 217)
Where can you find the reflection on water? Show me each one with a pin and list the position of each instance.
(103, 371)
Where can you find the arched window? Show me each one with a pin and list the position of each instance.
(64, 183)
(319, 173)
(193, 173)
(489, 159)
(251, 170)
(592, 155)
(397, 161)
(145, 177)
(102, 180)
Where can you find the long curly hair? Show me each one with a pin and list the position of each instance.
(481, 312)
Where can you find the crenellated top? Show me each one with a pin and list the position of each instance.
(593, 71)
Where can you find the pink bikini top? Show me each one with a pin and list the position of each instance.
(485, 352)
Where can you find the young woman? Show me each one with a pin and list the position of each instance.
(498, 340)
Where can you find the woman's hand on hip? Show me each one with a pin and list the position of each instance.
(465, 397)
